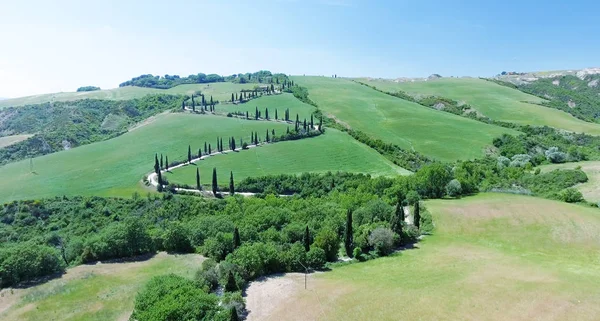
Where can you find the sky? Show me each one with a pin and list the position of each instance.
(60, 45)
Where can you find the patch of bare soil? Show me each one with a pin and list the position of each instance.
(146, 121)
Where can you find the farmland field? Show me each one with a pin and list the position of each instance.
(9, 140)
(492, 257)
(332, 151)
(219, 91)
(115, 167)
(494, 101)
(589, 189)
(434, 133)
(104, 291)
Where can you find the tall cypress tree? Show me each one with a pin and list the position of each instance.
(203, 101)
(321, 124)
(231, 286)
(189, 154)
(267, 113)
(199, 152)
(211, 101)
(267, 137)
(236, 238)
(297, 123)
(349, 234)
(198, 186)
(232, 97)
(218, 145)
(256, 113)
(161, 162)
(231, 186)
(233, 143)
(193, 104)
(160, 180)
(417, 215)
(287, 131)
(214, 182)
(396, 224)
(276, 114)
(166, 162)
(156, 164)
(183, 105)
(306, 239)
(312, 125)
(209, 150)
(247, 115)
(272, 133)
(221, 144)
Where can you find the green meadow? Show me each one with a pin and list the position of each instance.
(330, 152)
(492, 100)
(116, 167)
(437, 134)
(491, 257)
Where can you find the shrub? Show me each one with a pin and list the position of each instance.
(454, 188)
(171, 297)
(176, 239)
(570, 195)
(520, 160)
(555, 156)
(26, 262)
(316, 258)
(382, 240)
(410, 234)
(329, 241)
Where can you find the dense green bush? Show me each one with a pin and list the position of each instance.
(382, 240)
(88, 88)
(26, 261)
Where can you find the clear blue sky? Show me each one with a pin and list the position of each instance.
(49, 46)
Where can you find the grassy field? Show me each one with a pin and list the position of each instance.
(9, 140)
(272, 102)
(332, 151)
(115, 167)
(434, 133)
(492, 257)
(589, 189)
(494, 101)
(92, 292)
(220, 91)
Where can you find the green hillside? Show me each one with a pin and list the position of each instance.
(491, 257)
(220, 91)
(589, 189)
(434, 133)
(333, 151)
(272, 102)
(494, 101)
(116, 166)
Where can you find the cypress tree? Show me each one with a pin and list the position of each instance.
(396, 224)
(267, 113)
(198, 186)
(214, 181)
(205, 149)
(247, 115)
(211, 101)
(321, 124)
(221, 144)
(231, 286)
(209, 150)
(241, 142)
(267, 137)
(241, 99)
(417, 215)
(231, 97)
(166, 162)
(272, 133)
(199, 152)
(218, 145)
(203, 101)
(156, 165)
(312, 125)
(233, 315)
(160, 181)
(256, 114)
(348, 234)
(233, 143)
(161, 161)
(236, 238)
(276, 114)
(304, 125)
(297, 123)
(193, 104)
(189, 154)
(236, 96)
(306, 239)
(287, 131)
(231, 186)
(272, 88)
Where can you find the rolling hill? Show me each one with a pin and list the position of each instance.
(491, 257)
(494, 101)
(437, 134)
(220, 91)
(330, 152)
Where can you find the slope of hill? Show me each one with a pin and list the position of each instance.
(491, 257)
(330, 152)
(220, 91)
(494, 101)
(115, 167)
(434, 133)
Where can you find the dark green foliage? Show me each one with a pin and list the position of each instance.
(215, 187)
(236, 238)
(398, 219)
(233, 315)
(166, 162)
(171, 297)
(231, 186)
(231, 285)
(198, 185)
(189, 154)
(329, 241)
(306, 239)
(27, 261)
(417, 214)
(60, 125)
(156, 164)
(87, 88)
(167, 81)
(349, 234)
(176, 239)
(430, 181)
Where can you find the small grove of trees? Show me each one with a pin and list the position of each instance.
(87, 88)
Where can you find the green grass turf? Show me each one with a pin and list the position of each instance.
(494, 101)
(589, 189)
(93, 292)
(272, 102)
(434, 133)
(116, 166)
(220, 91)
(332, 151)
(492, 257)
